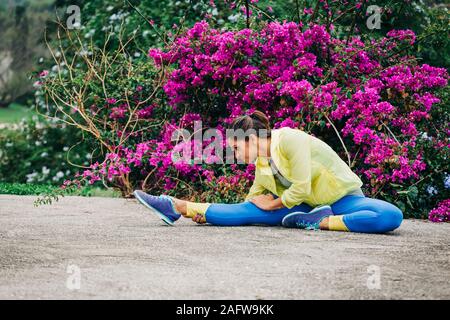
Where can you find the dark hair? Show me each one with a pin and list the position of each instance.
(256, 121)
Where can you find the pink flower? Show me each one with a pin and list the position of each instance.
(441, 213)
(43, 74)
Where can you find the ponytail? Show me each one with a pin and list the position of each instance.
(257, 121)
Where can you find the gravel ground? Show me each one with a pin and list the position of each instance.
(118, 249)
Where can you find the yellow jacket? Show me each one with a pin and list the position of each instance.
(318, 175)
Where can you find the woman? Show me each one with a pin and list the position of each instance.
(300, 182)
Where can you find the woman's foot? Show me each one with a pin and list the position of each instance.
(313, 220)
(162, 205)
(180, 206)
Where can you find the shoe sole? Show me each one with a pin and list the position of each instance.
(301, 212)
(158, 213)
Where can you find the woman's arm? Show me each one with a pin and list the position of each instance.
(297, 149)
(255, 190)
(263, 201)
(267, 202)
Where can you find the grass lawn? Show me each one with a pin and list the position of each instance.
(14, 113)
(38, 189)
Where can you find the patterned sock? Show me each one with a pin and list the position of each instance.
(336, 223)
(194, 208)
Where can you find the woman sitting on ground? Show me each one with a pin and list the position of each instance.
(300, 182)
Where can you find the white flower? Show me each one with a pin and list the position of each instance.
(31, 177)
(234, 18)
(44, 154)
(109, 8)
(447, 182)
(137, 54)
(84, 52)
(425, 136)
(432, 190)
(90, 33)
(38, 143)
(45, 170)
(60, 174)
(66, 149)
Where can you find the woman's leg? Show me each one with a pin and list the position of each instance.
(189, 209)
(239, 214)
(351, 213)
(363, 214)
(247, 213)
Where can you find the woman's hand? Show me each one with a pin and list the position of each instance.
(264, 201)
(199, 218)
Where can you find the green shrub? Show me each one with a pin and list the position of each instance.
(25, 188)
(40, 151)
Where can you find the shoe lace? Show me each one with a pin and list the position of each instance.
(165, 198)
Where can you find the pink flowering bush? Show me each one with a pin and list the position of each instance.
(375, 100)
(371, 100)
(441, 213)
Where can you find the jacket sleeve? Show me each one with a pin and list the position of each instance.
(297, 150)
(255, 189)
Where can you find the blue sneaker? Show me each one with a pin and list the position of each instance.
(162, 205)
(307, 220)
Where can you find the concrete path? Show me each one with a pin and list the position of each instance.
(116, 248)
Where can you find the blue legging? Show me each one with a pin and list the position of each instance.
(361, 214)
